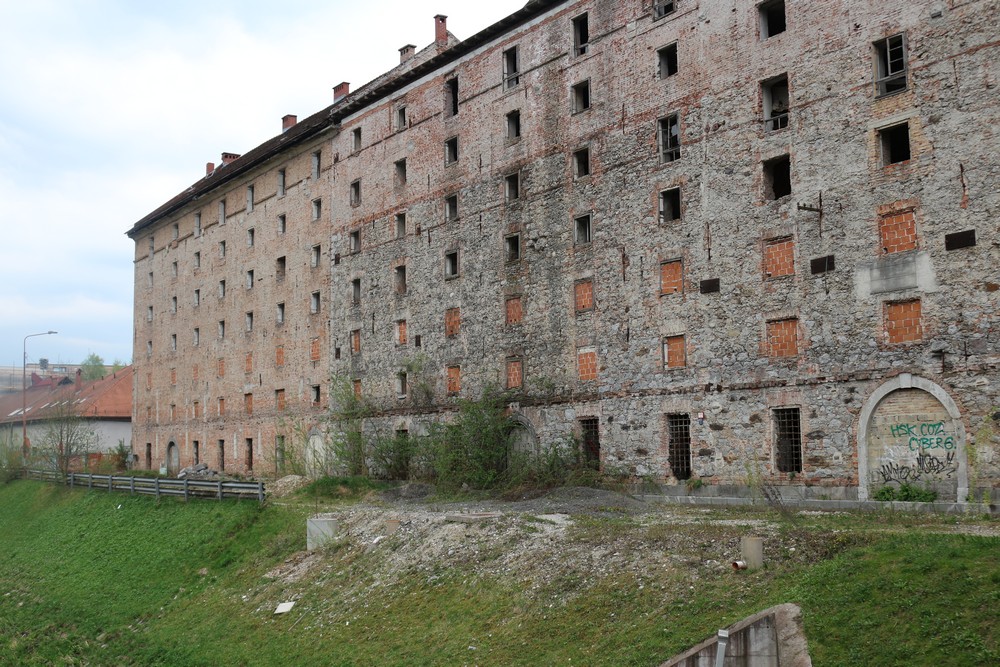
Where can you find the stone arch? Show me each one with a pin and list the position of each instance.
(173, 458)
(523, 437)
(956, 470)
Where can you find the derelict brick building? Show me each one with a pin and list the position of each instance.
(711, 239)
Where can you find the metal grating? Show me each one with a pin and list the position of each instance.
(788, 439)
(591, 434)
(679, 445)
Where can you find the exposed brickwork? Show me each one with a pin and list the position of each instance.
(513, 310)
(586, 365)
(583, 295)
(672, 277)
(514, 373)
(452, 321)
(783, 338)
(779, 258)
(675, 354)
(898, 231)
(454, 379)
(401, 338)
(902, 322)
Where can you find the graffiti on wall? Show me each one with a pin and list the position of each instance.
(916, 451)
(923, 436)
(926, 465)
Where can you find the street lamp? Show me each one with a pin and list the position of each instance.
(24, 390)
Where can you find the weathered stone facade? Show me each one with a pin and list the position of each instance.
(714, 239)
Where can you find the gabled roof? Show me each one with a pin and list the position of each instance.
(330, 117)
(107, 398)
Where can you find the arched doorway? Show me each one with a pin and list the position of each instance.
(910, 432)
(173, 459)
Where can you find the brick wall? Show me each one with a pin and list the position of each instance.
(902, 322)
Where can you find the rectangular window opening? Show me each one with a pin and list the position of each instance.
(279, 268)
(777, 177)
(513, 125)
(822, 265)
(590, 440)
(401, 119)
(451, 97)
(451, 264)
(356, 292)
(663, 8)
(451, 208)
(511, 68)
(774, 95)
(679, 445)
(890, 65)
(400, 225)
(581, 163)
(895, 143)
(668, 138)
(512, 247)
(581, 35)
(787, 440)
(959, 240)
(400, 279)
(772, 18)
(354, 241)
(451, 151)
(581, 96)
(666, 61)
(670, 205)
(582, 230)
(356, 193)
(400, 173)
(512, 186)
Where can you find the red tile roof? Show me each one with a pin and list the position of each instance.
(107, 398)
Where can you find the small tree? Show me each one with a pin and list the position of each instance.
(92, 368)
(66, 437)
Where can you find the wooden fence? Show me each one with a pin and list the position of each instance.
(155, 486)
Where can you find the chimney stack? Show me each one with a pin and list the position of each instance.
(288, 121)
(229, 157)
(441, 29)
(209, 168)
(407, 52)
(79, 379)
(341, 90)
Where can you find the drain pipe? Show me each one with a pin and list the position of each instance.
(722, 644)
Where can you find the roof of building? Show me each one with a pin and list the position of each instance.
(386, 84)
(107, 398)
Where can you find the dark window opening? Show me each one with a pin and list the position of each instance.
(895, 142)
(451, 208)
(356, 292)
(451, 264)
(451, 150)
(451, 97)
(512, 186)
(400, 225)
(400, 279)
(709, 286)
(591, 440)
(777, 177)
(662, 8)
(581, 96)
(772, 18)
(775, 98)
(401, 173)
(666, 60)
(222, 455)
(401, 118)
(511, 68)
(149, 456)
(679, 445)
(669, 138)
(354, 241)
(581, 163)
(966, 239)
(670, 205)
(512, 245)
(581, 35)
(416, 341)
(513, 125)
(249, 454)
(197, 454)
(821, 264)
(356, 193)
(788, 440)
(890, 65)
(583, 230)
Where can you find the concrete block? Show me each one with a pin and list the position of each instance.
(320, 531)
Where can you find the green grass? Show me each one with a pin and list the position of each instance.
(111, 579)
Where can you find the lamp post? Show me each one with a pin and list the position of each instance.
(24, 390)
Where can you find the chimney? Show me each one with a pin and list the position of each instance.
(79, 379)
(229, 157)
(340, 91)
(209, 168)
(441, 30)
(407, 52)
(288, 121)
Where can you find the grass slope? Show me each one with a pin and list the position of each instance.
(107, 580)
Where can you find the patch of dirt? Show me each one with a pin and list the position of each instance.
(286, 485)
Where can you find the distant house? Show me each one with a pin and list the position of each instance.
(106, 405)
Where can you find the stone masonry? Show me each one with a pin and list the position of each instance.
(747, 241)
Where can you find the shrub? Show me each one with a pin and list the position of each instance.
(906, 493)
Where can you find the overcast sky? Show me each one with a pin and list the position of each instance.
(109, 108)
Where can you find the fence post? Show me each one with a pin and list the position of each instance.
(220, 489)
(111, 479)
(131, 485)
(260, 492)
(72, 478)
(156, 487)
(90, 482)
(185, 489)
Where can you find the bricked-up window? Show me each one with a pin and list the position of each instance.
(399, 172)
(777, 177)
(281, 182)
(401, 384)
(581, 35)
(451, 151)
(356, 193)
(399, 279)
(279, 355)
(902, 322)
(314, 349)
(279, 314)
(221, 368)
(401, 332)
(663, 8)
(590, 440)
(314, 303)
(279, 399)
(314, 394)
(779, 257)
(513, 125)
(400, 225)
(317, 161)
(249, 198)
(356, 139)
(173, 412)
(582, 230)
(515, 373)
(581, 163)
(356, 292)
(401, 118)
(194, 372)
(513, 310)
(890, 65)
(581, 96)
(454, 379)
(898, 231)
(512, 247)
(670, 205)
(672, 277)
(774, 95)
(679, 445)
(674, 352)
(354, 241)
(314, 256)
(279, 268)
(512, 186)
(451, 97)
(783, 338)
(511, 68)
(586, 364)
(451, 208)
(772, 18)
(666, 61)
(355, 341)
(248, 404)
(282, 224)
(895, 143)
(451, 267)
(356, 387)
(452, 322)
(668, 138)
(787, 439)
(173, 376)
(197, 409)
(248, 363)
(317, 204)
(583, 295)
